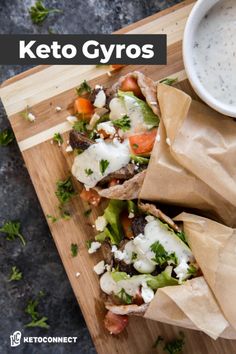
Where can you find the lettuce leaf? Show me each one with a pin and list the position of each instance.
(153, 281)
(113, 230)
(151, 119)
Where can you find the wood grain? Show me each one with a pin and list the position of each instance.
(45, 87)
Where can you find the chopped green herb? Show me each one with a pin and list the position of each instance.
(80, 126)
(124, 297)
(32, 310)
(158, 341)
(66, 215)
(88, 171)
(88, 244)
(83, 88)
(192, 270)
(25, 113)
(39, 323)
(6, 137)
(161, 256)
(103, 166)
(74, 249)
(39, 12)
(139, 159)
(122, 123)
(182, 237)
(87, 212)
(175, 346)
(135, 146)
(53, 218)
(57, 138)
(16, 274)
(65, 190)
(12, 229)
(134, 256)
(169, 81)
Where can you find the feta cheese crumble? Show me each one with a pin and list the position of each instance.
(99, 268)
(71, 119)
(94, 247)
(100, 223)
(100, 99)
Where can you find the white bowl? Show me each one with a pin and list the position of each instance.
(199, 10)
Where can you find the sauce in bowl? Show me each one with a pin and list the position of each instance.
(214, 51)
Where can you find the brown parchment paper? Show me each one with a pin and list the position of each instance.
(197, 167)
(206, 303)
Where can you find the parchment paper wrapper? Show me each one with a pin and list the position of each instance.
(204, 303)
(197, 168)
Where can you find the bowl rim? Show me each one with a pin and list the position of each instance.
(199, 10)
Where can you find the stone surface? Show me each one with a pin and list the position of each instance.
(39, 260)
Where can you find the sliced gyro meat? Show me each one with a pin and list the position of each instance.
(79, 140)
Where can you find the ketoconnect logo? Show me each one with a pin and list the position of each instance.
(84, 49)
(15, 339)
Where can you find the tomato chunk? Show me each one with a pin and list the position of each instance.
(91, 196)
(130, 84)
(83, 106)
(117, 66)
(142, 144)
(126, 223)
(115, 324)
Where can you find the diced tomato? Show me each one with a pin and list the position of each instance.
(83, 106)
(91, 196)
(117, 66)
(113, 182)
(130, 84)
(142, 144)
(115, 324)
(126, 223)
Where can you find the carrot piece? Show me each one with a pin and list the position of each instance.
(83, 106)
(142, 144)
(115, 324)
(130, 84)
(126, 223)
(91, 196)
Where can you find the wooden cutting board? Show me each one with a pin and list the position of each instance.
(45, 87)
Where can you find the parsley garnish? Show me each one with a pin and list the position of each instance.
(134, 256)
(87, 212)
(32, 310)
(53, 218)
(122, 123)
(124, 297)
(66, 215)
(83, 88)
(80, 126)
(161, 256)
(57, 138)
(88, 171)
(74, 249)
(6, 137)
(103, 166)
(182, 237)
(16, 274)
(135, 146)
(65, 190)
(12, 229)
(169, 81)
(39, 12)
(175, 346)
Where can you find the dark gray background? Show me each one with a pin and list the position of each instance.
(39, 259)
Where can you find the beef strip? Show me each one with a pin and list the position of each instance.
(123, 174)
(138, 225)
(79, 140)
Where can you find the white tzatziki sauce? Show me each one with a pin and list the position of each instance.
(87, 165)
(214, 51)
